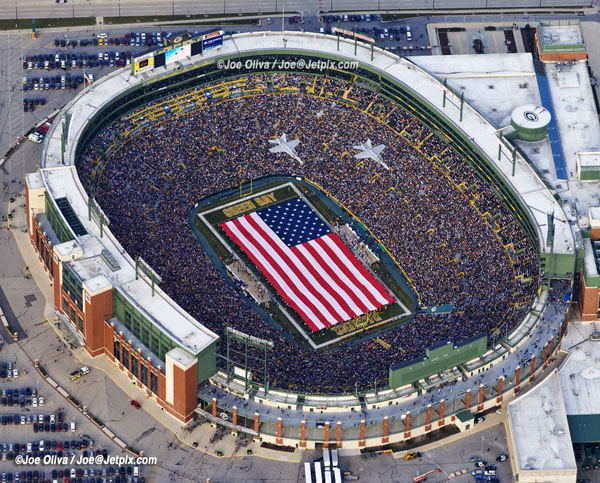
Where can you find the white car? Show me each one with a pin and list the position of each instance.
(41, 401)
(35, 138)
(16, 373)
(102, 36)
(34, 402)
(41, 445)
(41, 418)
(29, 448)
(23, 420)
(52, 419)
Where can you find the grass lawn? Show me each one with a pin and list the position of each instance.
(25, 23)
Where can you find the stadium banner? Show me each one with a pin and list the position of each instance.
(178, 48)
(308, 265)
(178, 53)
(143, 63)
(177, 40)
(212, 40)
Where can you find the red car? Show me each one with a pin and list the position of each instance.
(136, 404)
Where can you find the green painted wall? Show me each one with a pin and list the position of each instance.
(579, 260)
(154, 339)
(591, 280)
(563, 264)
(587, 174)
(207, 361)
(584, 428)
(438, 359)
(59, 225)
(530, 135)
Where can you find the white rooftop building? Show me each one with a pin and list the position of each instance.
(539, 435)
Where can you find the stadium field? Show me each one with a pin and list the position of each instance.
(210, 218)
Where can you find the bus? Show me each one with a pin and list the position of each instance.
(307, 472)
(334, 458)
(318, 473)
(326, 458)
(328, 476)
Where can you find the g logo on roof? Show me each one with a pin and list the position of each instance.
(531, 116)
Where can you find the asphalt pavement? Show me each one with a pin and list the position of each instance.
(112, 8)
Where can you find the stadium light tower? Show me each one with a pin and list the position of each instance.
(248, 341)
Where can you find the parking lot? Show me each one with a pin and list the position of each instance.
(37, 422)
(402, 37)
(42, 75)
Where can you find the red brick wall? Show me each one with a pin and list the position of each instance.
(562, 56)
(185, 389)
(97, 311)
(72, 307)
(28, 211)
(557, 56)
(588, 301)
(109, 333)
(57, 287)
(37, 231)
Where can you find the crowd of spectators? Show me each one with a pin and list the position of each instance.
(451, 235)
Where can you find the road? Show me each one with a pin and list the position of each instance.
(111, 8)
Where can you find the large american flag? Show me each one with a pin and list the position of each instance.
(309, 266)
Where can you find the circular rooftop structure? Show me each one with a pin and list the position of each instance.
(531, 122)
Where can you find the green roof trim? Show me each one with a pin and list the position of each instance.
(584, 428)
(464, 416)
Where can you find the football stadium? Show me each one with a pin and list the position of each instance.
(298, 219)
